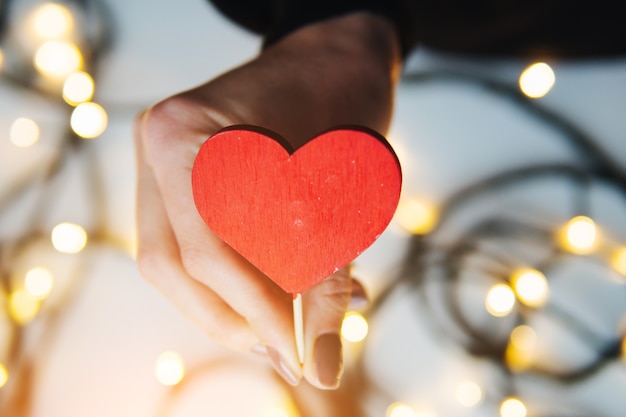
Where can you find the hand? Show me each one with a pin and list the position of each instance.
(341, 71)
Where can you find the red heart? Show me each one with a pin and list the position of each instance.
(297, 215)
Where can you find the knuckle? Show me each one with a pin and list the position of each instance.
(151, 265)
(195, 262)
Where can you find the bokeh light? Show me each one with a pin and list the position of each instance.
(1, 59)
(530, 286)
(500, 300)
(4, 375)
(38, 282)
(68, 237)
(89, 120)
(400, 410)
(416, 216)
(78, 88)
(469, 394)
(276, 412)
(537, 80)
(23, 307)
(354, 327)
(24, 132)
(523, 337)
(619, 261)
(579, 235)
(52, 21)
(170, 369)
(512, 407)
(58, 59)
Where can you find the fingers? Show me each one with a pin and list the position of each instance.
(159, 261)
(324, 308)
(200, 255)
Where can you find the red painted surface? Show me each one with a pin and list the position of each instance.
(298, 216)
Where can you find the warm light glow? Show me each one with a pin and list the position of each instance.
(500, 300)
(38, 282)
(276, 412)
(78, 88)
(4, 375)
(469, 394)
(354, 327)
(619, 261)
(69, 238)
(58, 59)
(170, 369)
(512, 407)
(537, 80)
(88, 120)
(417, 217)
(530, 286)
(23, 307)
(400, 410)
(52, 21)
(579, 235)
(1, 59)
(624, 348)
(523, 337)
(24, 132)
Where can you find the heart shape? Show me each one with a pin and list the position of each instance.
(297, 215)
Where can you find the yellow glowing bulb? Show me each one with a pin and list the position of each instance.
(530, 286)
(512, 407)
(418, 217)
(537, 80)
(619, 261)
(38, 282)
(469, 394)
(1, 59)
(500, 300)
(523, 338)
(78, 88)
(88, 120)
(4, 375)
(400, 410)
(58, 59)
(579, 235)
(24, 132)
(23, 307)
(52, 21)
(68, 238)
(170, 369)
(624, 348)
(354, 327)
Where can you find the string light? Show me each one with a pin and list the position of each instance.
(416, 216)
(52, 21)
(169, 369)
(523, 337)
(354, 327)
(68, 238)
(78, 88)
(619, 261)
(24, 132)
(512, 407)
(579, 235)
(519, 351)
(400, 410)
(58, 59)
(537, 80)
(88, 120)
(469, 394)
(531, 287)
(23, 307)
(4, 375)
(500, 300)
(38, 282)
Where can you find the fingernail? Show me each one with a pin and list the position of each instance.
(359, 299)
(281, 366)
(259, 350)
(328, 359)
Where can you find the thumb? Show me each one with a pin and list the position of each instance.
(324, 307)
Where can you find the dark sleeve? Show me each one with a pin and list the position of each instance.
(529, 28)
(276, 18)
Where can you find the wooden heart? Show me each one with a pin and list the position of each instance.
(297, 215)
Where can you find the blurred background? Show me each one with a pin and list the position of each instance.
(498, 290)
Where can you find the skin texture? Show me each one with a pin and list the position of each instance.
(340, 71)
